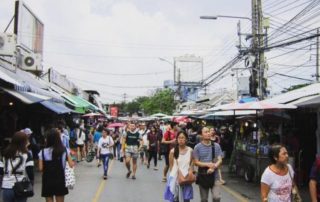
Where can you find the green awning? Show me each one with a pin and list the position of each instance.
(79, 104)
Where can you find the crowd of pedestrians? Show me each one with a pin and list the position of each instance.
(191, 153)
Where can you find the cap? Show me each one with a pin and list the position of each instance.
(27, 131)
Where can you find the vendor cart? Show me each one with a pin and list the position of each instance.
(250, 165)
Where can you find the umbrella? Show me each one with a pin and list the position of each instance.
(259, 105)
(180, 119)
(114, 125)
(147, 118)
(92, 114)
(158, 115)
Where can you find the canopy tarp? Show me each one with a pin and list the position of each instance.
(259, 105)
(26, 97)
(56, 107)
(80, 105)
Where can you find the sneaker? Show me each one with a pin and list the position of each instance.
(134, 177)
(99, 164)
(155, 168)
(148, 166)
(105, 177)
(128, 174)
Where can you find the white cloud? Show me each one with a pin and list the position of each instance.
(128, 37)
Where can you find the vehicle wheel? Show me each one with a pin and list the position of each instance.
(249, 173)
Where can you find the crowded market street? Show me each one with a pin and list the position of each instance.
(152, 101)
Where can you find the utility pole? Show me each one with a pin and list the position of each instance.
(179, 86)
(317, 58)
(254, 47)
(261, 61)
(257, 79)
(124, 97)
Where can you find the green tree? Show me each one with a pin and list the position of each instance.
(161, 100)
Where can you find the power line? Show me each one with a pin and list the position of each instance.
(114, 74)
(111, 86)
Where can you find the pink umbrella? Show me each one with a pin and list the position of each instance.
(114, 125)
(180, 119)
(258, 105)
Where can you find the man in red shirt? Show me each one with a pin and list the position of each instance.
(169, 140)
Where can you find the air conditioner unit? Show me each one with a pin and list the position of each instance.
(31, 62)
(7, 44)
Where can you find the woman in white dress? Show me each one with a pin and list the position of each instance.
(180, 159)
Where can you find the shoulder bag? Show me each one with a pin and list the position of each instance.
(111, 155)
(23, 188)
(206, 180)
(188, 179)
(295, 195)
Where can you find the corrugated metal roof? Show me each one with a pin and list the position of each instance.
(291, 96)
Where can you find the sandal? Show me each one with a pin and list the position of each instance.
(164, 179)
(128, 174)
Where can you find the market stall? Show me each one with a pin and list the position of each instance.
(252, 137)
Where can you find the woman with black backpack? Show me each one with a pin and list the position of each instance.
(15, 163)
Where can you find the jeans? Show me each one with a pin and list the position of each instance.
(8, 196)
(105, 160)
(216, 194)
(118, 150)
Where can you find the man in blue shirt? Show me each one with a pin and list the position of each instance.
(207, 162)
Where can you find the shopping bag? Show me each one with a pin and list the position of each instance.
(70, 178)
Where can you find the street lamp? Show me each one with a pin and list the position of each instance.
(215, 17)
(164, 60)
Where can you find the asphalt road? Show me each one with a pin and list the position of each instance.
(146, 188)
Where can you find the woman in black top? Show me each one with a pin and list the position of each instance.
(52, 163)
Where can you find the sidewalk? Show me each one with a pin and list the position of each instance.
(251, 190)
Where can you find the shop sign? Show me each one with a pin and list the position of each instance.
(114, 111)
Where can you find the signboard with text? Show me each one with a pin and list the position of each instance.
(114, 111)
(28, 28)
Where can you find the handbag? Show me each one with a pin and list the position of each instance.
(70, 179)
(188, 179)
(69, 176)
(23, 188)
(295, 195)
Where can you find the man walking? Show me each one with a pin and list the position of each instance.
(208, 157)
(168, 141)
(130, 147)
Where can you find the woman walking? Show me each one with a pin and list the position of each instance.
(180, 160)
(153, 141)
(277, 179)
(105, 146)
(17, 161)
(52, 162)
